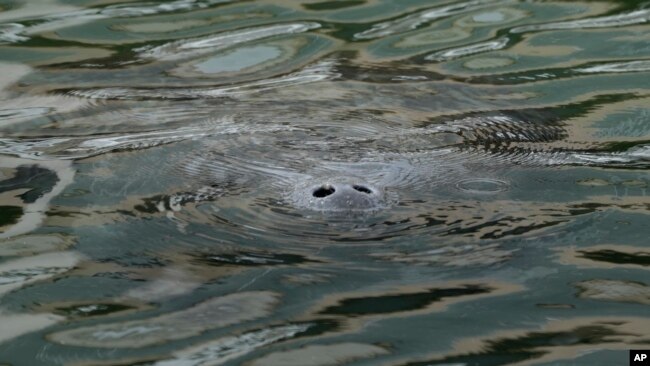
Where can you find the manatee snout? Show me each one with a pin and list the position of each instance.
(341, 195)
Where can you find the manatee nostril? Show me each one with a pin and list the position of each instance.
(362, 189)
(324, 191)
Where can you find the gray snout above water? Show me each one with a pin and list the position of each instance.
(340, 194)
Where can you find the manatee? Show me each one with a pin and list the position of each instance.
(363, 145)
(340, 166)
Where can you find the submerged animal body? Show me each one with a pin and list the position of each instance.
(368, 165)
(339, 166)
(330, 151)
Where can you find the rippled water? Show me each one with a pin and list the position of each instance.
(358, 182)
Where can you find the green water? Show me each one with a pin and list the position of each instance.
(374, 182)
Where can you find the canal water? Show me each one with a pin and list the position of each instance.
(353, 182)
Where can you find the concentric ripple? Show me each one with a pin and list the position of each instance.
(284, 178)
(208, 182)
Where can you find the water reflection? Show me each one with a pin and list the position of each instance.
(623, 291)
(402, 302)
(231, 309)
(614, 256)
(18, 32)
(534, 347)
(206, 182)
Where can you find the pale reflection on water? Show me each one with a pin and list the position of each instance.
(210, 182)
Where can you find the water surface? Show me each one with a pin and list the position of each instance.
(215, 182)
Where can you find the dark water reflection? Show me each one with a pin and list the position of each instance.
(208, 182)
